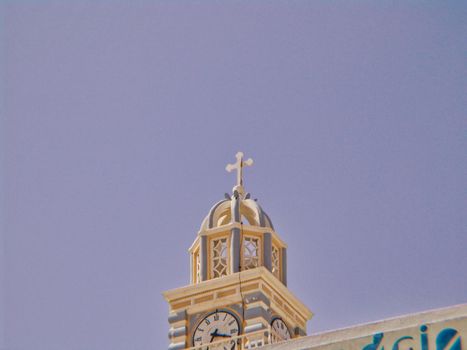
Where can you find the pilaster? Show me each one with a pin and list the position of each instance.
(203, 255)
(267, 250)
(235, 250)
(284, 266)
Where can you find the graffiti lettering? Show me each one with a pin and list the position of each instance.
(447, 339)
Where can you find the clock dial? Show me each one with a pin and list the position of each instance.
(217, 326)
(280, 330)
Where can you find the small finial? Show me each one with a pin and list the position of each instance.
(239, 164)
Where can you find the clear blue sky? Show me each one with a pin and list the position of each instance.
(118, 118)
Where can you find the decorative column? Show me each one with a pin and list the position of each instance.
(235, 234)
(235, 250)
(192, 269)
(284, 266)
(203, 256)
(267, 250)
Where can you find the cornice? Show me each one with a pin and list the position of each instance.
(249, 228)
(234, 279)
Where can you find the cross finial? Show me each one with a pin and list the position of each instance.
(239, 164)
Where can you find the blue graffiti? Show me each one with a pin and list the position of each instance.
(424, 337)
(377, 338)
(447, 339)
(396, 343)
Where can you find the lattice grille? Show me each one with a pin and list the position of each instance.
(275, 262)
(250, 252)
(219, 257)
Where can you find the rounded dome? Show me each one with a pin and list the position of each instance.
(250, 211)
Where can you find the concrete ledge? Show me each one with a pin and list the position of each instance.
(257, 296)
(177, 346)
(408, 325)
(176, 332)
(177, 316)
(254, 327)
(257, 312)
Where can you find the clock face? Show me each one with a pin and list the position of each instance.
(215, 327)
(280, 329)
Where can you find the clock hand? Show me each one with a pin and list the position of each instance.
(213, 335)
(223, 335)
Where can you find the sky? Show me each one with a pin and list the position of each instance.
(117, 121)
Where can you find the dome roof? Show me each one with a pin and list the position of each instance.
(221, 213)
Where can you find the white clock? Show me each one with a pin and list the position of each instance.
(280, 330)
(215, 327)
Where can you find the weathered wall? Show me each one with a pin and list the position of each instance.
(442, 329)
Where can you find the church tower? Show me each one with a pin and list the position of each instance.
(238, 297)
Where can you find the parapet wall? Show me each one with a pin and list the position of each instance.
(441, 329)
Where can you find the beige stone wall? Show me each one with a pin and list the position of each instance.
(400, 333)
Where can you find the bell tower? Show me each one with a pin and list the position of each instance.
(238, 296)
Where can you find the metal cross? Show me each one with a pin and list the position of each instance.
(239, 164)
